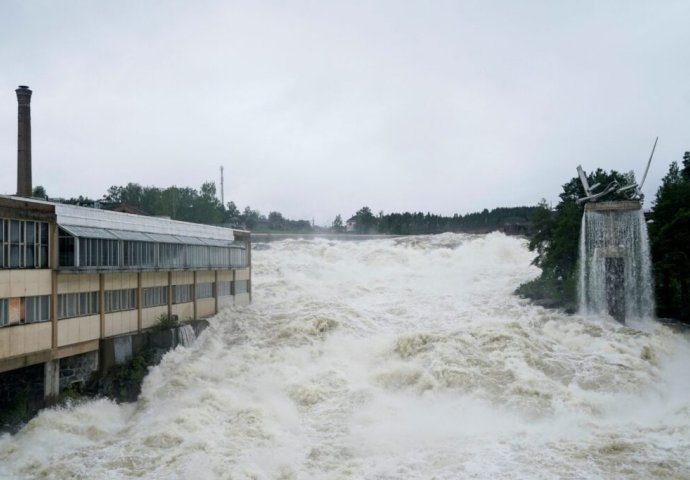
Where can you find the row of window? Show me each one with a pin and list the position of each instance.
(37, 308)
(77, 304)
(23, 244)
(105, 253)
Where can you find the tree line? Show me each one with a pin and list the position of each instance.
(513, 219)
(186, 204)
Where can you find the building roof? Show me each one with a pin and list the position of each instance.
(97, 223)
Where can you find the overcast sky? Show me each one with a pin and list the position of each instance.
(317, 108)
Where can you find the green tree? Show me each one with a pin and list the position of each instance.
(338, 224)
(39, 192)
(670, 242)
(366, 221)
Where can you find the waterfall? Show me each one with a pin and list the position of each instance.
(186, 335)
(615, 266)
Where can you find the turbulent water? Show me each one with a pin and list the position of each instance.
(387, 359)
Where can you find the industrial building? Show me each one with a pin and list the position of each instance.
(72, 277)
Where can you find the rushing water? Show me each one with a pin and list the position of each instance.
(622, 236)
(387, 359)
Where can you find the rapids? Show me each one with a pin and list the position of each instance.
(387, 359)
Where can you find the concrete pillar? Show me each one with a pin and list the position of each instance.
(51, 381)
(24, 186)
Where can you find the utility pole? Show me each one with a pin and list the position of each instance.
(222, 193)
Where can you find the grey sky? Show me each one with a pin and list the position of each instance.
(317, 108)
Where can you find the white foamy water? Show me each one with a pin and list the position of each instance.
(387, 359)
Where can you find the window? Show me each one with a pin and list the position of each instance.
(67, 305)
(241, 286)
(182, 293)
(23, 244)
(77, 304)
(154, 296)
(224, 289)
(139, 254)
(98, 252)
(37, 309)
(118, 300)
(204, 290)
(88, 303)
(171, 255)
(238, 257)
(4, 313)
(66, 249)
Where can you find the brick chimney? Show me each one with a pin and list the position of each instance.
(24, 187)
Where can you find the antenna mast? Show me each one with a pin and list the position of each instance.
(222, 193)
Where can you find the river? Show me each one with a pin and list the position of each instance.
(403, 358)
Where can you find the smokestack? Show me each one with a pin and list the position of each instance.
(24, 188)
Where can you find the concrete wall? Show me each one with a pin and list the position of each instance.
(150, 316)
(117, 323)
(205, 277)
(182, 278)
(154, 279)
(68, 283)
(25, 283)
(184, 311)
(205, 307)
(242, 274)
(23, 339)
(120, 281)
(79, 329)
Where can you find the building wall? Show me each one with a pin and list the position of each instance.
(23, 339)
(150, 315)
(71, 283)
(154, 279)
(205, 307)
(184, 311)
(205, 277)
(242, 274)
(117, 323)
(120, 281)
(78, 329)
(25, 283)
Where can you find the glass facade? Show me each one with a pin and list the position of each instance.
(23, 244)
(106, 251)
